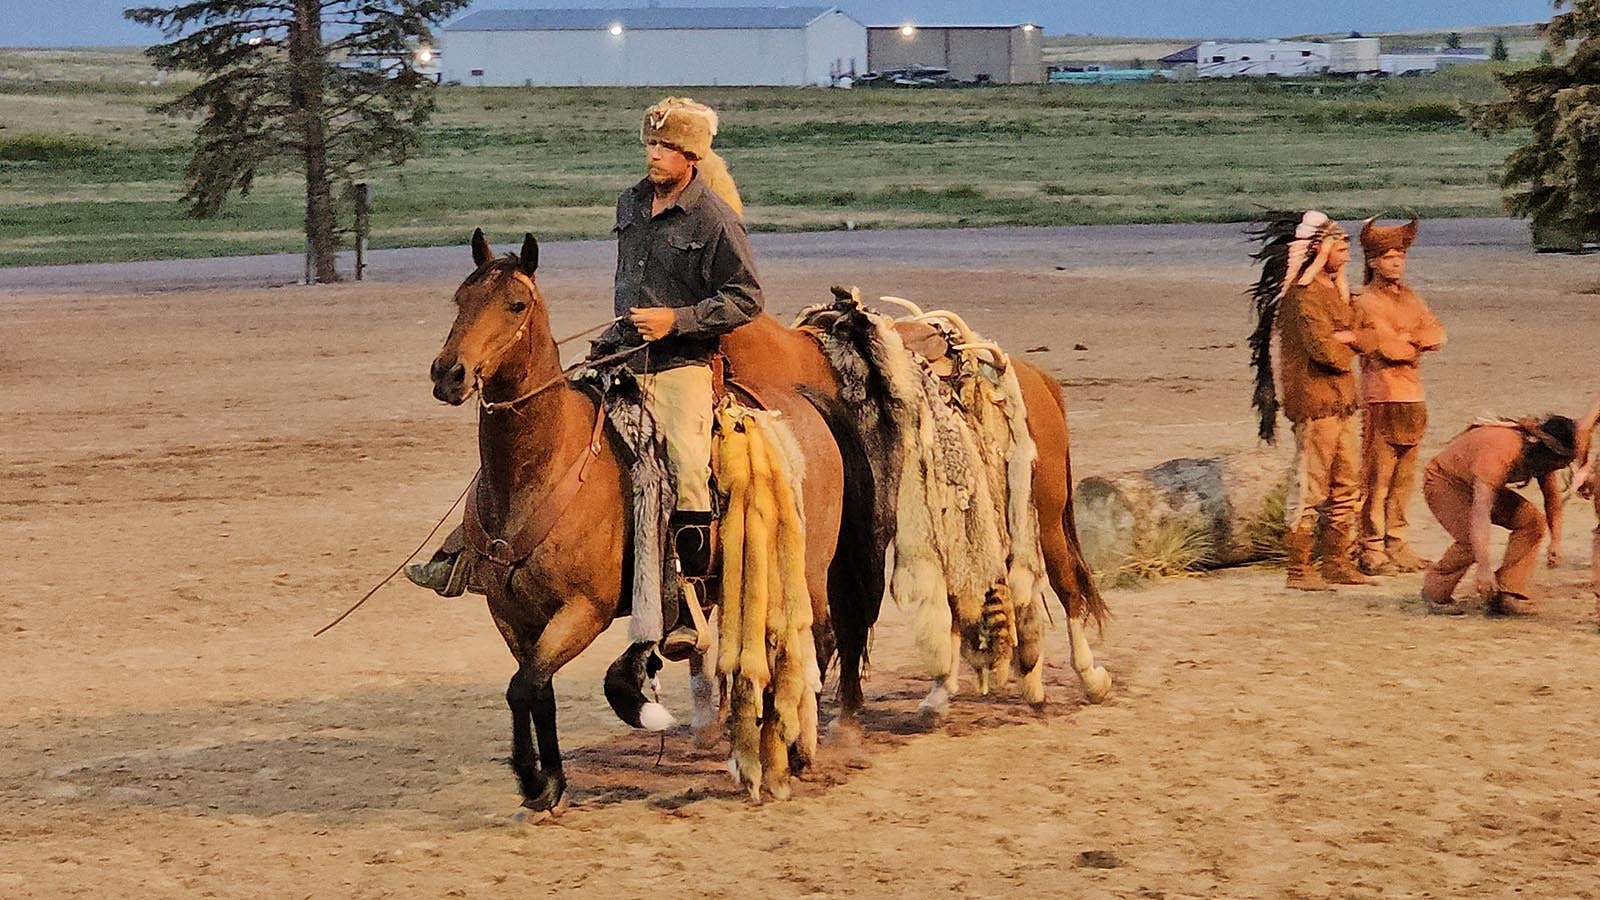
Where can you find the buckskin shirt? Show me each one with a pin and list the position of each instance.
(693, 258)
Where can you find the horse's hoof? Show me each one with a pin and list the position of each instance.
(526, 816)
(1097, 685)
(550, 795)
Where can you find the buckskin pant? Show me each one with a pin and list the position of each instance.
(1390, 434)
(680, 401)
(1326, 466)
(1451, 503)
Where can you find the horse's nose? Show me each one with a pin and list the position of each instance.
(447, 373)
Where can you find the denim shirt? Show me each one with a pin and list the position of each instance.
(694, 258)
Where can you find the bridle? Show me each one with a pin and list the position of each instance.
(534, 297)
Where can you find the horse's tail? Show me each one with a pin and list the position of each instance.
(856, 575)
(1091, 605)
(624, 686)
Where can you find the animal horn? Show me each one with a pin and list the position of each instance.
(954, 321)
(997, 356)
(915, 310)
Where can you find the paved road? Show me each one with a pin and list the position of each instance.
(961, 248)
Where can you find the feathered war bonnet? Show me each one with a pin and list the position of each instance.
(688, 126)
(1294, 248)
(1376, 240)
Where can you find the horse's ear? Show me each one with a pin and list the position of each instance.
(480, 248)
(530, 254)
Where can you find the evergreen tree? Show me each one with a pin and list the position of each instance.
(328, 88)
(1555, 178)
(1499, 53)
(1453, 40)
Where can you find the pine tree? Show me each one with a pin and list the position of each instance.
(283, 89)
(1453, 40)
(1555, 178)
(1499, 53)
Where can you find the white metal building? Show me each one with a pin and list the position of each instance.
(654, 46)
(1355, 56)
(1215, 59)
(1405, 61)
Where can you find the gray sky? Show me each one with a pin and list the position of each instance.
(77, 22)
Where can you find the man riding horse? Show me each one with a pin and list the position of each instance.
(684, 278)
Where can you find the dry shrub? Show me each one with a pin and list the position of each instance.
(1174, 549)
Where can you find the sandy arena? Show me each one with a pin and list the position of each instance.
(198, 475)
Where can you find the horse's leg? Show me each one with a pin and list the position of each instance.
(573, 628)
(524, 761)
(1058, 559)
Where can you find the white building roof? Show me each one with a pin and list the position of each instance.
(637, 19)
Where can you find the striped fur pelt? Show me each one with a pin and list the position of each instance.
(765, 648)
(653, 500)
(952, 456)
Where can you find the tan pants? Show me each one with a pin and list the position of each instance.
(680, 402)
(1451, 503)
(1390, 433)
(1326, 464)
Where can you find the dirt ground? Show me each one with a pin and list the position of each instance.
(193, 482)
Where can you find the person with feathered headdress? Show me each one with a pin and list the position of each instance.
(1302, 294)
(1397, 328)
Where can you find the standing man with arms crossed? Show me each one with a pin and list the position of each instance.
(1395, 328)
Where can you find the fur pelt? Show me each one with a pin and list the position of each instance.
(653, 501)
(957, 461)
(766, 649)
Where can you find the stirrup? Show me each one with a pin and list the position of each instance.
(433, 575)
(686, 640)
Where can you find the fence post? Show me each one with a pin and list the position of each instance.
(363, 225)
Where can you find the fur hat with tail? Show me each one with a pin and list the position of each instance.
(689, 127)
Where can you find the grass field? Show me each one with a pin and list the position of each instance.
(88, 174)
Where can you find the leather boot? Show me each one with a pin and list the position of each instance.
(1404, 558)
(691, 544)
(444, 574)
(1372, 563)
(1302, 576)
(1337, 566)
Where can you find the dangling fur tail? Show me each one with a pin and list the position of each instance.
(624, 687)
(714, 170)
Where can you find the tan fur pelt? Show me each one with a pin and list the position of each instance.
(767, 653)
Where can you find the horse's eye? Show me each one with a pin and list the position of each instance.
(517, 306)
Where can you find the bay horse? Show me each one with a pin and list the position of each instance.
(575, 582)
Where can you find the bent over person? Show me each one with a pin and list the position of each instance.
(684, 278)
(1303, 293)
(1395, 328)
(1468, 488)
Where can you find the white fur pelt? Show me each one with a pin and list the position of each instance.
(766, 651)
(992, 399)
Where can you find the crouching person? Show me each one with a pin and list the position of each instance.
(1468, 488)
